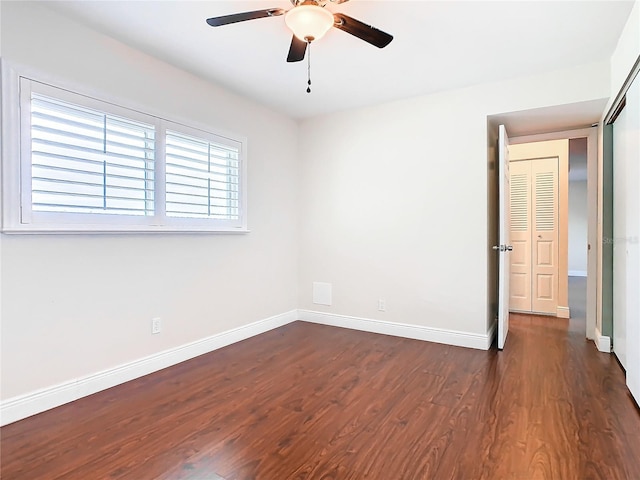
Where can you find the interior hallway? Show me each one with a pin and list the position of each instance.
(578, 300)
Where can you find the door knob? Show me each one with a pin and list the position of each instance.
(509, 248)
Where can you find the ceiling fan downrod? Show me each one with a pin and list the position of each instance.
(309, 67)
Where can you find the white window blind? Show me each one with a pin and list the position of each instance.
(87, 161)
(83, 164)
(202, 178)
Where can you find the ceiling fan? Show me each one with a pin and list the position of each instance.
(309, 21)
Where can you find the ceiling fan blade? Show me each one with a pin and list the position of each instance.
(297, 50)
(243, 17)
(363, 31)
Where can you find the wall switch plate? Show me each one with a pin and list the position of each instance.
(156, 325)
(382, 305)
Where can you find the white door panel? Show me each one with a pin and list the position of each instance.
(520, 223)
(504, 246)
(620, 194)
(626, 233)
(544, 295)
(633, 299)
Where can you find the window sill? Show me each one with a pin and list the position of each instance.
(110, 230)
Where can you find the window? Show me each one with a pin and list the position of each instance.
(202, 178)
(86, 161)
(90, 165)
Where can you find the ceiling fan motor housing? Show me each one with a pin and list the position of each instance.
(309, 21)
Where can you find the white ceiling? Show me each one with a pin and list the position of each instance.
(438, 45)
(551, 119)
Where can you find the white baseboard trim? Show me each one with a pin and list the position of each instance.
(23, 406)
(563, 312)
(603, 344)
(417, 332)
(577, 273)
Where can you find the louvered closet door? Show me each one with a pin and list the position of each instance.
(544, 193)
(520, 278)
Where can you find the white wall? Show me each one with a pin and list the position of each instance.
(578, 222)
(394, 200)
(73, 305)
(627, 51)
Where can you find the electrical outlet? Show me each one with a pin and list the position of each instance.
(382, 305)
(156, 325)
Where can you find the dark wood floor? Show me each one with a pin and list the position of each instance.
(314, 402)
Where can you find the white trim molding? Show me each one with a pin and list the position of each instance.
(416, 332)
(23, 406)
(563, 312)
(603, 344)
(577, 273)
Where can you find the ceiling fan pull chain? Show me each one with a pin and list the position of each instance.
(309, 69)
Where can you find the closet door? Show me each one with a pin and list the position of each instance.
(545, 232)
(626, 234)
(620, 216)
(520, 278)
(633, 272)
(534, 236)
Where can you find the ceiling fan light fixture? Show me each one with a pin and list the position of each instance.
(309, 22)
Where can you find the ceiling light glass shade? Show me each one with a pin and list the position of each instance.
(309, 22)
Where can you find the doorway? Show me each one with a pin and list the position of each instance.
(524, 127)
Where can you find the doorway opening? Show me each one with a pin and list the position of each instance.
(576, 123)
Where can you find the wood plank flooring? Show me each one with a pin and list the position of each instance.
(313, 402)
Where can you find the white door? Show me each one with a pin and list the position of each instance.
(534, 235)
(633, 278)
(626, 233)
(539, 227)
(504, 246)
(544, 255)
(520, 223)
(620, 245)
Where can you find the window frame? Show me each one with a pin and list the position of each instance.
(17, 216)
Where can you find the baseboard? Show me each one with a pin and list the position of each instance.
(577, 273)
(23, 406)
(417, 332)
(563, 312)
(603, 344)
(17, 408)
